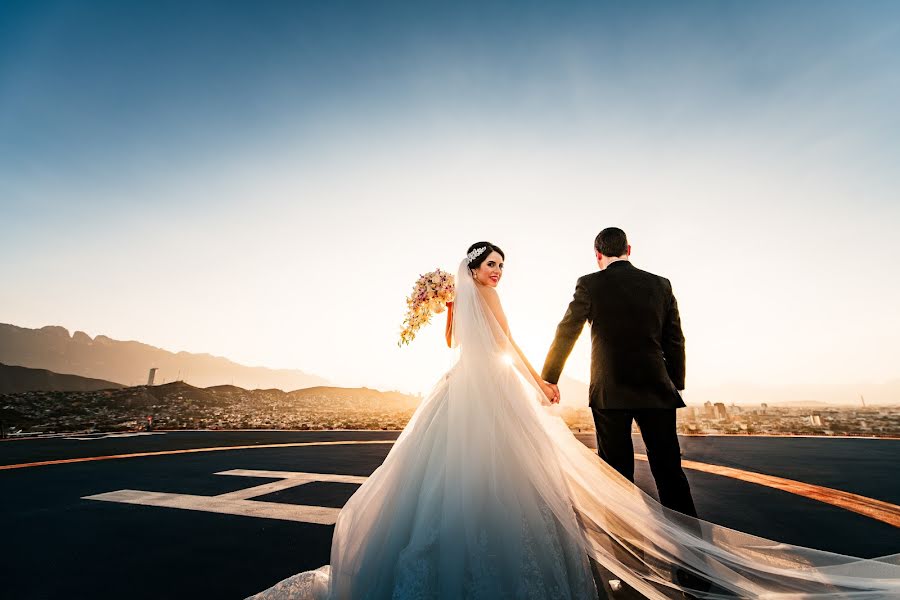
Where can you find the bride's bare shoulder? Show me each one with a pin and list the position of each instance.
(489, 294)
(487, 291)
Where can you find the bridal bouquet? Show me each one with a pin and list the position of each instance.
(430, 295)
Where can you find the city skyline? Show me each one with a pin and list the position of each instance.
(265, 183)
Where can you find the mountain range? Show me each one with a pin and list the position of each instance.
(129, 362)
(22, 379)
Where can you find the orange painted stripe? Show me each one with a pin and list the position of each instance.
(65, 461)
(875, 509)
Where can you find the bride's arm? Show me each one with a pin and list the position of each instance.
(448, 332)
(493, 301)
(534, 374)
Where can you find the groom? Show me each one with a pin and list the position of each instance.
(637, 364)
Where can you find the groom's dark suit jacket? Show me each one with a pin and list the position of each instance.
(637, 347)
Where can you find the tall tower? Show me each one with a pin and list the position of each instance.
(151, 376)
(720, 411)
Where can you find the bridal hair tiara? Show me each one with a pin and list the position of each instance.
(475, 253)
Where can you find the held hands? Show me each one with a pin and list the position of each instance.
(556, 393)
(551, 390)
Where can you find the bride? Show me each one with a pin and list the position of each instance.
(485, 494)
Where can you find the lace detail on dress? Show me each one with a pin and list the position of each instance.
(309, 585)
(565, 571)
(571, 557)
(416, 573)
(532, 585)
(481, 571)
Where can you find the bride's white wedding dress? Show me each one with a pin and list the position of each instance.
(485, 494)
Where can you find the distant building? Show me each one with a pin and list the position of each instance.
(152, 376)
(815, 420)
(720, 411)
(708, 410)
(763, 408)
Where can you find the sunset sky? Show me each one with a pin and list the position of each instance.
(265, 181)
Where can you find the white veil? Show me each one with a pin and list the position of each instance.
(657, 551)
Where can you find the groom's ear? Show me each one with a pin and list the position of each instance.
(628, 251)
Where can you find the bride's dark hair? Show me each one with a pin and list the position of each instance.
(483, 256)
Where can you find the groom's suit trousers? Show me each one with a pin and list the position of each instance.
(663, 452)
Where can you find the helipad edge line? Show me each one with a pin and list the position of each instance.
(64, 461)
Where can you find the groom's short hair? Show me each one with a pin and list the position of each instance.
(611, 242)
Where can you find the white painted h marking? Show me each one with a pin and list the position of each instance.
(238, 502)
